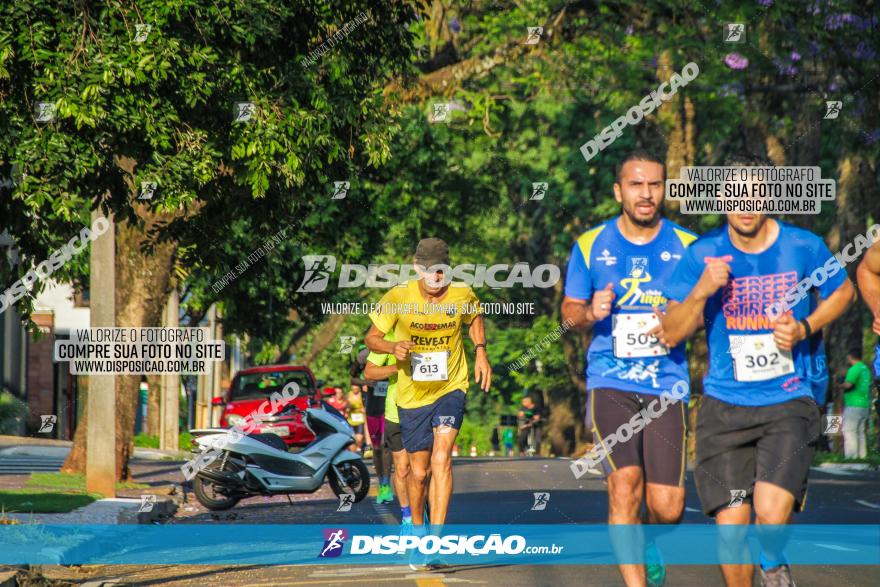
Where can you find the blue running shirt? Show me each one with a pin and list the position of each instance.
(621, 356)
(745, 368)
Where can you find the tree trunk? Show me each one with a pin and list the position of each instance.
(142, 283)
(567, 433)
(154, 393)
(855, 182)
(325, 336)
(76, 458)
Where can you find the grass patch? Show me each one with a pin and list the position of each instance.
(144, 441)
(831, 457)
(70, 482)
(43, 502)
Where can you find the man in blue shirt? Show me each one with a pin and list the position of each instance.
(617, 278)
(758, 422)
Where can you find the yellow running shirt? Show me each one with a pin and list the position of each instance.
(381, 360)
(436, 333)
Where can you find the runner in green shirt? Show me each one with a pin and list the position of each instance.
(381, 367)
(856, 404)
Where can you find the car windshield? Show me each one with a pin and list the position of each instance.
(262, 385)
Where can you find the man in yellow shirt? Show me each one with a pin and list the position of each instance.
(426, 317)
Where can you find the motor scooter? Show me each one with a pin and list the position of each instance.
(260, 464)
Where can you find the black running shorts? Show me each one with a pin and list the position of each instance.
(739, 445)
(658, 448)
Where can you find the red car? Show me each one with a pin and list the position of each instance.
(250, 388)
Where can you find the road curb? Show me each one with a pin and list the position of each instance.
(164, 508)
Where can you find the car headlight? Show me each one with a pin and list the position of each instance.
(234, 419)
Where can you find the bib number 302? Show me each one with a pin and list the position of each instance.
(430, 366)
(631, 338)
(757, 358)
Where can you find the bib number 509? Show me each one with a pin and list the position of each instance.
(642, 339)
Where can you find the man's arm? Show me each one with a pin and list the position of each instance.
(868, 276)
(577, 312)
(682, 320)
(379, 373)
(482, 369)
(376, 342)
(583, 314)
(787, 332)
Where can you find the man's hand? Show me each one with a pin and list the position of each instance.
(401, 349)
(482, 370)
(601, 303)
(714, 277)
(787, 332)
(658, 330)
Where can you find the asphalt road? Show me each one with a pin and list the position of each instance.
(498, 492)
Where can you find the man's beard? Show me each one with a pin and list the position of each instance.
(644, 223)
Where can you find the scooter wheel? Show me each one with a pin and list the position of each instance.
(356, 479)
(207, 494)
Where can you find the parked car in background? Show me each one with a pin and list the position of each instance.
(251, 387)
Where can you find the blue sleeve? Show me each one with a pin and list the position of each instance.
(818, 257)
(578, 281)
(687, 274)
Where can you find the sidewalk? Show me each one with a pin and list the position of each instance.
(115, 510)
(49, 447)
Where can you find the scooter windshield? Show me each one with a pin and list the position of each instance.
(331, 410)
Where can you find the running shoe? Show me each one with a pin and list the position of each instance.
(655, 568)
(406, 527)
(777, 577)
(384, 494)
(417, 560)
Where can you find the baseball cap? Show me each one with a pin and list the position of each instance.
(432, 251)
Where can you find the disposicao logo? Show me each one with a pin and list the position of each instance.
(334, 540)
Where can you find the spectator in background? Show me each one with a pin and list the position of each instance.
(856, 406)
(339, 402)
(530, 422)
(507, 437)
(496, 441)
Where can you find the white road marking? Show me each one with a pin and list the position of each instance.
(836, 547)
(839, 472)
(868, 504)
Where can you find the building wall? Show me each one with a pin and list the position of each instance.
(41, 372)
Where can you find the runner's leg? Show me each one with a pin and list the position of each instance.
(374, 431)
(664, 449)
(441, 473)
(401, 477)
(773, 507)
(732, 543)
(665, 503)
(625, 487)
(417, 484)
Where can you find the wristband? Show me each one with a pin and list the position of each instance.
(807, 328)
(482, 344)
